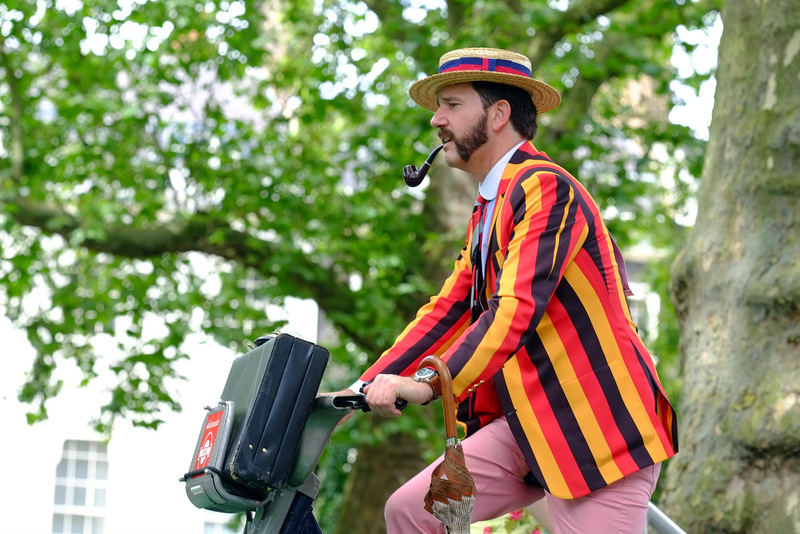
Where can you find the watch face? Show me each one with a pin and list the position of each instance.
(425, 374)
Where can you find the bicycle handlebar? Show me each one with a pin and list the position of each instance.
(359, 402)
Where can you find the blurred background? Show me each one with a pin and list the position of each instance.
(178, 178)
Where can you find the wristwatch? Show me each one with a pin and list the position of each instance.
(428, 375)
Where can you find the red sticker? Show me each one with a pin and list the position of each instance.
(209, 437)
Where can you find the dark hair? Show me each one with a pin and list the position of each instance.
(523, 111)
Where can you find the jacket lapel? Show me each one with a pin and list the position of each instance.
(497, 239)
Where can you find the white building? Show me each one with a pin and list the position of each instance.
(60, 476)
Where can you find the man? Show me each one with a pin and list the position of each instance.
(559, 398)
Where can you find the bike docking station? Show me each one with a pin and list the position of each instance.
(259, 446)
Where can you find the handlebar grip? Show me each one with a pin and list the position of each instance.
(400, 404)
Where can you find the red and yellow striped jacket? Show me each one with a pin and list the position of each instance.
(555, 348)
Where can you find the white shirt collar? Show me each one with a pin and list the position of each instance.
(489, 185)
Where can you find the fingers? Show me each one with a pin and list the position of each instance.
(384, 391)
(381, 395)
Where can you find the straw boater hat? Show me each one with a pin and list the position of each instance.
(484, 64)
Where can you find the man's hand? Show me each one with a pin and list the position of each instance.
(386, 389)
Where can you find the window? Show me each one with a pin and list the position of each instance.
(80, 493)
(638, 308)
(644, 306)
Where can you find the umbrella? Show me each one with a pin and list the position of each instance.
(451, 498)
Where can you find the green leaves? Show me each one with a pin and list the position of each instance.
(195, 162)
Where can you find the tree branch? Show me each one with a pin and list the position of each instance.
(570, 21)
(202, 233)
(584, 88)
(614, 40)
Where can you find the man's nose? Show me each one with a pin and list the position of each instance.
(437, 121)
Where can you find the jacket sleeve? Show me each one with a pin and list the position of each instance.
(437, 325)
(545, 228)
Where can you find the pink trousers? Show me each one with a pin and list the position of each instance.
(498, 468)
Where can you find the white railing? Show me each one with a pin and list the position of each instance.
(660, 522)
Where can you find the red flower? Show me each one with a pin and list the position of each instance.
(536, 531)
(487, 530)
(515, 516)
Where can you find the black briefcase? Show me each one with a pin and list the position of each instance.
(249, 442)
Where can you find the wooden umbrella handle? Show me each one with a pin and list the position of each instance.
(448, 400)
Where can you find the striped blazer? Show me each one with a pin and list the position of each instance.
(555, 348)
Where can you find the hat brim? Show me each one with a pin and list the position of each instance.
(426, 91)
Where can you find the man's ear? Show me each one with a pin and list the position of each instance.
(502, 114)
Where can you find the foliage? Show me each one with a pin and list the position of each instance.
(186, 162)
(181, 162)
(517, 522)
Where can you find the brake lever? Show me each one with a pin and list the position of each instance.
(400, 404)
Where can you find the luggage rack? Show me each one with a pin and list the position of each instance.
(258, 448)
(207, 484)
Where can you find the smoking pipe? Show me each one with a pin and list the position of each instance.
(413, 177)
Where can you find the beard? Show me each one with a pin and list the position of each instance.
(476, 137)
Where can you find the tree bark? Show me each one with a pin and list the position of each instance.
(736, 287)
(378, 471)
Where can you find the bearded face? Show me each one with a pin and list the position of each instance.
(469, 142)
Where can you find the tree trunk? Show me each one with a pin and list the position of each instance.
(737, 290)
(378, 471)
